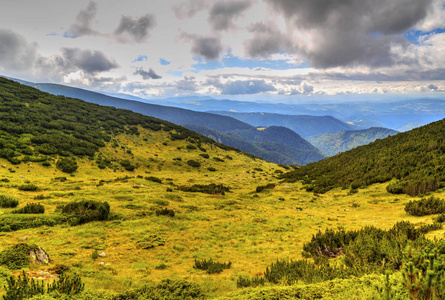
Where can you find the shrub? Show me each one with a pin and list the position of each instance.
(18, 222)
(218, 159)
(261, 188)
(213, 189)
(440, 218)
(127, 165)
(166, 289)
(8, 202)
(430, 227)
(165, 212)
(67, 164)
(194, 163)
(23, 287)
(16, 256)
(211, 266)
(191, 147)
(154, 179)
(204, 155)
(30, 208)
(28, 187)
(425, 206)
(86, 211)
(150, 241)
(211, 169)
(245, 281)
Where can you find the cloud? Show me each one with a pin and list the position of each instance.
(241, 87)
(147, 75)
(134, 30)
(16, 54)
(267, 40)
(189, 8)
(84, 21)
(88, 61)
(209, 48)
(349, 32)
(222, 14)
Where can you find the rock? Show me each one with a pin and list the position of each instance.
(23, 238)
(101, 264)
(39, 255)
(102, 254)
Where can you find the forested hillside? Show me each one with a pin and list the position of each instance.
(333, 143)
(275, 144)
(413, 159)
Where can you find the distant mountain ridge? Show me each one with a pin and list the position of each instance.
(304, 125)
(333, 143)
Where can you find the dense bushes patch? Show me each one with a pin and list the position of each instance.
(15, 222)
(165, 212)
(16, 256)
(67, 164)
(261, 188)
(213, 189)
(30, 208)
(154, 179)
(165, 290)
(28, 187)
(194, 163)
(86, 211)
(425, 206)
(211, 266)
(8, 202)
(23, 287)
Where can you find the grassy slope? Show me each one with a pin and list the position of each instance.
(251, 230)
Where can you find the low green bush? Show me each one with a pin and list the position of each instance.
(154, 179)
(211, 266)
(30, 208)
(84, 211)
(261, 188)
(165, 212)
(213, 189)
(67, 164)
(194, 163)
(17, 256)
(8, 202)
(426, 206)
(204, 155)
(28, 187)
(13, 222)
(165, 290)
(245, 281)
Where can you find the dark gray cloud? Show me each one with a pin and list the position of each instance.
(84, 22)
(150, 74)
(132, 30)
(16, 53)
(433, 87)
(241, 87)
(209, 48)
(350, 32)
(267, 40)
(88, 61)
(222, 14)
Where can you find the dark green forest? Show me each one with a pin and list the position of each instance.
(414, 160)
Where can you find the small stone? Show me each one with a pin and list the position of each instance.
(101, 264)
(23, 238)
(102, 254)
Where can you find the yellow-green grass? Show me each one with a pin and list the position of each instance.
(250, 229)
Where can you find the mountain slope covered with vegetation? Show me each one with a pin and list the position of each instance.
(413, 159)
(333, 143)
(275, 144)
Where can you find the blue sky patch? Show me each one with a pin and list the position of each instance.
(413, 35)
(234, 61)
(164, 62)
(140, 58)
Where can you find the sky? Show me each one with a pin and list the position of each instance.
(238, 49)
